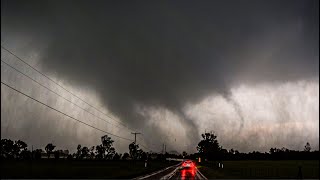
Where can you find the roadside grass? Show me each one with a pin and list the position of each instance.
(78, 169)
(286, 169)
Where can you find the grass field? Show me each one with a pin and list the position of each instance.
(77, 169)
(262, 169)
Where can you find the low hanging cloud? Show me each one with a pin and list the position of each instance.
(145, 57)
(276, 115)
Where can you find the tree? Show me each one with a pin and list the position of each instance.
(91, 152)
(125, 156)
(116, 156)
(16, 149)
(84, 153)
(231, 151)
(110, 153)
(107, 144)
(272, 150)
(69, 157)
(65, 153)
(209, 147)
(133, 148)
(7, 148)
(106, 141)
(78, 154)
(223, 151)
(144, 156)
(21, 146)
(100, 152)
(20, 150)
(56, 154)
(49, 148)
(184, 154)
(37, 153)
(25, 154)
(140, 154)
(307, 147)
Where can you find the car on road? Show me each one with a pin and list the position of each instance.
(188, 164)
(188, 170)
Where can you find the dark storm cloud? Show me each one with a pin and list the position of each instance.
(166, 54)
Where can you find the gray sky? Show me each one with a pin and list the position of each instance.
(247, 70)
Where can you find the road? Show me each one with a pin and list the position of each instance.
(187, 174)
(173, 173)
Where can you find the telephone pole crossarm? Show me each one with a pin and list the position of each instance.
(135, 136)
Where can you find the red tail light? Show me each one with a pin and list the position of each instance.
(184, 164)
(188, 164)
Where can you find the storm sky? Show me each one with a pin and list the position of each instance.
(246, 70)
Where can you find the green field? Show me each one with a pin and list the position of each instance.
(77, 169)
(262, 169)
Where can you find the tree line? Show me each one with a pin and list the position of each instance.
(208, 149)
(104, 151)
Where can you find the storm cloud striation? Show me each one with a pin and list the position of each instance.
(167, 55)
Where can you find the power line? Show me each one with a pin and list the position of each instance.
(64, 113)
(146, 147)
(135, 139)
(64, 88)
(55, 92)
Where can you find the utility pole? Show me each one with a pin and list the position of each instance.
(135, 144)
(135, 137)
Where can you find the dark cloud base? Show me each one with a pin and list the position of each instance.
(168, 54)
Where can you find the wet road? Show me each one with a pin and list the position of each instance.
(175, 172)
(161, 174)
(187, 174)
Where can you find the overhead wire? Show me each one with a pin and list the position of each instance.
(65, 90)
(64, 113)
(56, 93)
(60, 95)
